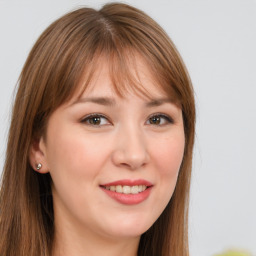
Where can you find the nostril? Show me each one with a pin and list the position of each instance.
(130, 148)
(133, 164)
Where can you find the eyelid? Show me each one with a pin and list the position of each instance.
(168, 118)
(85, 118)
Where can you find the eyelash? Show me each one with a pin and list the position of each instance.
(87, 119)
(90, 117)
(167, 118)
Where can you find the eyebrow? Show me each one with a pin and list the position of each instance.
(159, 102)
(106, 101)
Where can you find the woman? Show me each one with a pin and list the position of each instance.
(100, 144)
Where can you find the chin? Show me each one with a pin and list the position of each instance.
(130, 227)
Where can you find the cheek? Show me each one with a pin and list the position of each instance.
(168, 158)
(73, 153)
(74, 163)
(169, 155)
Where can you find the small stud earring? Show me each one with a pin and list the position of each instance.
(38, 166)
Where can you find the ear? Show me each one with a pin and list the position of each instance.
(37, 155)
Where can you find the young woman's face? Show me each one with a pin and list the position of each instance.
(114, 161)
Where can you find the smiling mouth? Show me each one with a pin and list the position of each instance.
(128, 192)
(126, 189)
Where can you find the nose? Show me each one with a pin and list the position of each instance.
(130, 149)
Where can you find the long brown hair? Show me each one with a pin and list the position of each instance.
(67, 50)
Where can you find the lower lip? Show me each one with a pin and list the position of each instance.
(128, 199)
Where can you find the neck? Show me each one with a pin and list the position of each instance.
(72, 242)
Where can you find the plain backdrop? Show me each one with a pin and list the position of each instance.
(217, 40)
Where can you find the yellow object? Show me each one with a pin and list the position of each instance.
(234, 253)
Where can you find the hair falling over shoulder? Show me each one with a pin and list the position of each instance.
(67, 50)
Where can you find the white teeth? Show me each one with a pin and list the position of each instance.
(119, 189)
(127, 189)
(134, 189)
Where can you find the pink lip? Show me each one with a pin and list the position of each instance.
(129, 183)
(128, 199)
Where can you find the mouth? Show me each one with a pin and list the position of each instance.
(128, 192)
(127, 189)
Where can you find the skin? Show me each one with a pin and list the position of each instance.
(125, 144)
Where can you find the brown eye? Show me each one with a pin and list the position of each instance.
(155, 120)
(159, 120)
(95, 120)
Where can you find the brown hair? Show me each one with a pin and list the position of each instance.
(67, 50)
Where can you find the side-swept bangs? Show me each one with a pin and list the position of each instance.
(60, 66)
(72, 47)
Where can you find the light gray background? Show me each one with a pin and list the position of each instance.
(217, 40)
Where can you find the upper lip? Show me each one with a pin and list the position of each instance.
(127, 182)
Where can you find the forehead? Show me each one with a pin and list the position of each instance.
(134, 77)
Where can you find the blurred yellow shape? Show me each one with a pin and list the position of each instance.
(234, 253)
